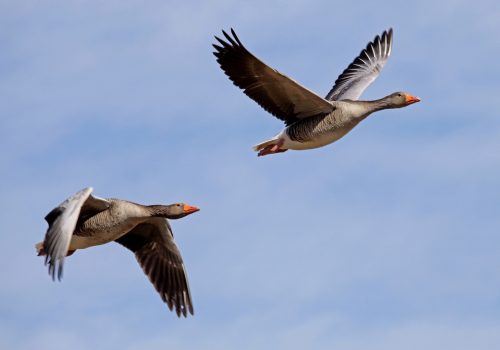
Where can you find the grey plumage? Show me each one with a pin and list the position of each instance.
(62, 220)
(363, 70)
(83, 221)
(311, 121)
(161, 261)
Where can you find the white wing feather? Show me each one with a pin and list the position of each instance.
(363, 70)
(62, 222)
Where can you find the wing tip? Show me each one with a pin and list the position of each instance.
(389, 35)
(232, 39)
(55, 268)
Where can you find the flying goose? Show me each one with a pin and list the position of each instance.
(311, 121)
(83, 221)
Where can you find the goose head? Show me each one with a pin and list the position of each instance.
(179, 210)
(172, 211)
(400, 99)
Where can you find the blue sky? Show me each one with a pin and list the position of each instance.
(387, 239)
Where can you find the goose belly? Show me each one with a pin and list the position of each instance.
(317, 139)
(85, 238)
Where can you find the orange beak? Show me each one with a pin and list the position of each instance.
(189, 209)
(411, 99)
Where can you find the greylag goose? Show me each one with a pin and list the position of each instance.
(311, 121)
(83, 221)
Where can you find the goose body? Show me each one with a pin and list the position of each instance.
(84, 221)
(107, 226)
(311, 121)
(320, 131)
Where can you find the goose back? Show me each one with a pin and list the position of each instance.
(108, 225)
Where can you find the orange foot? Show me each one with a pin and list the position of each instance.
(271, 149)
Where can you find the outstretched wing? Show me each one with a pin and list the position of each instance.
(160, 259)
(363, 70)
(276, 93)
(62, 221)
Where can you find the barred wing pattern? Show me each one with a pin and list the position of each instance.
(160, 259)
(363, 70)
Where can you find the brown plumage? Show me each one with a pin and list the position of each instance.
(84, 221)
(311, 121)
